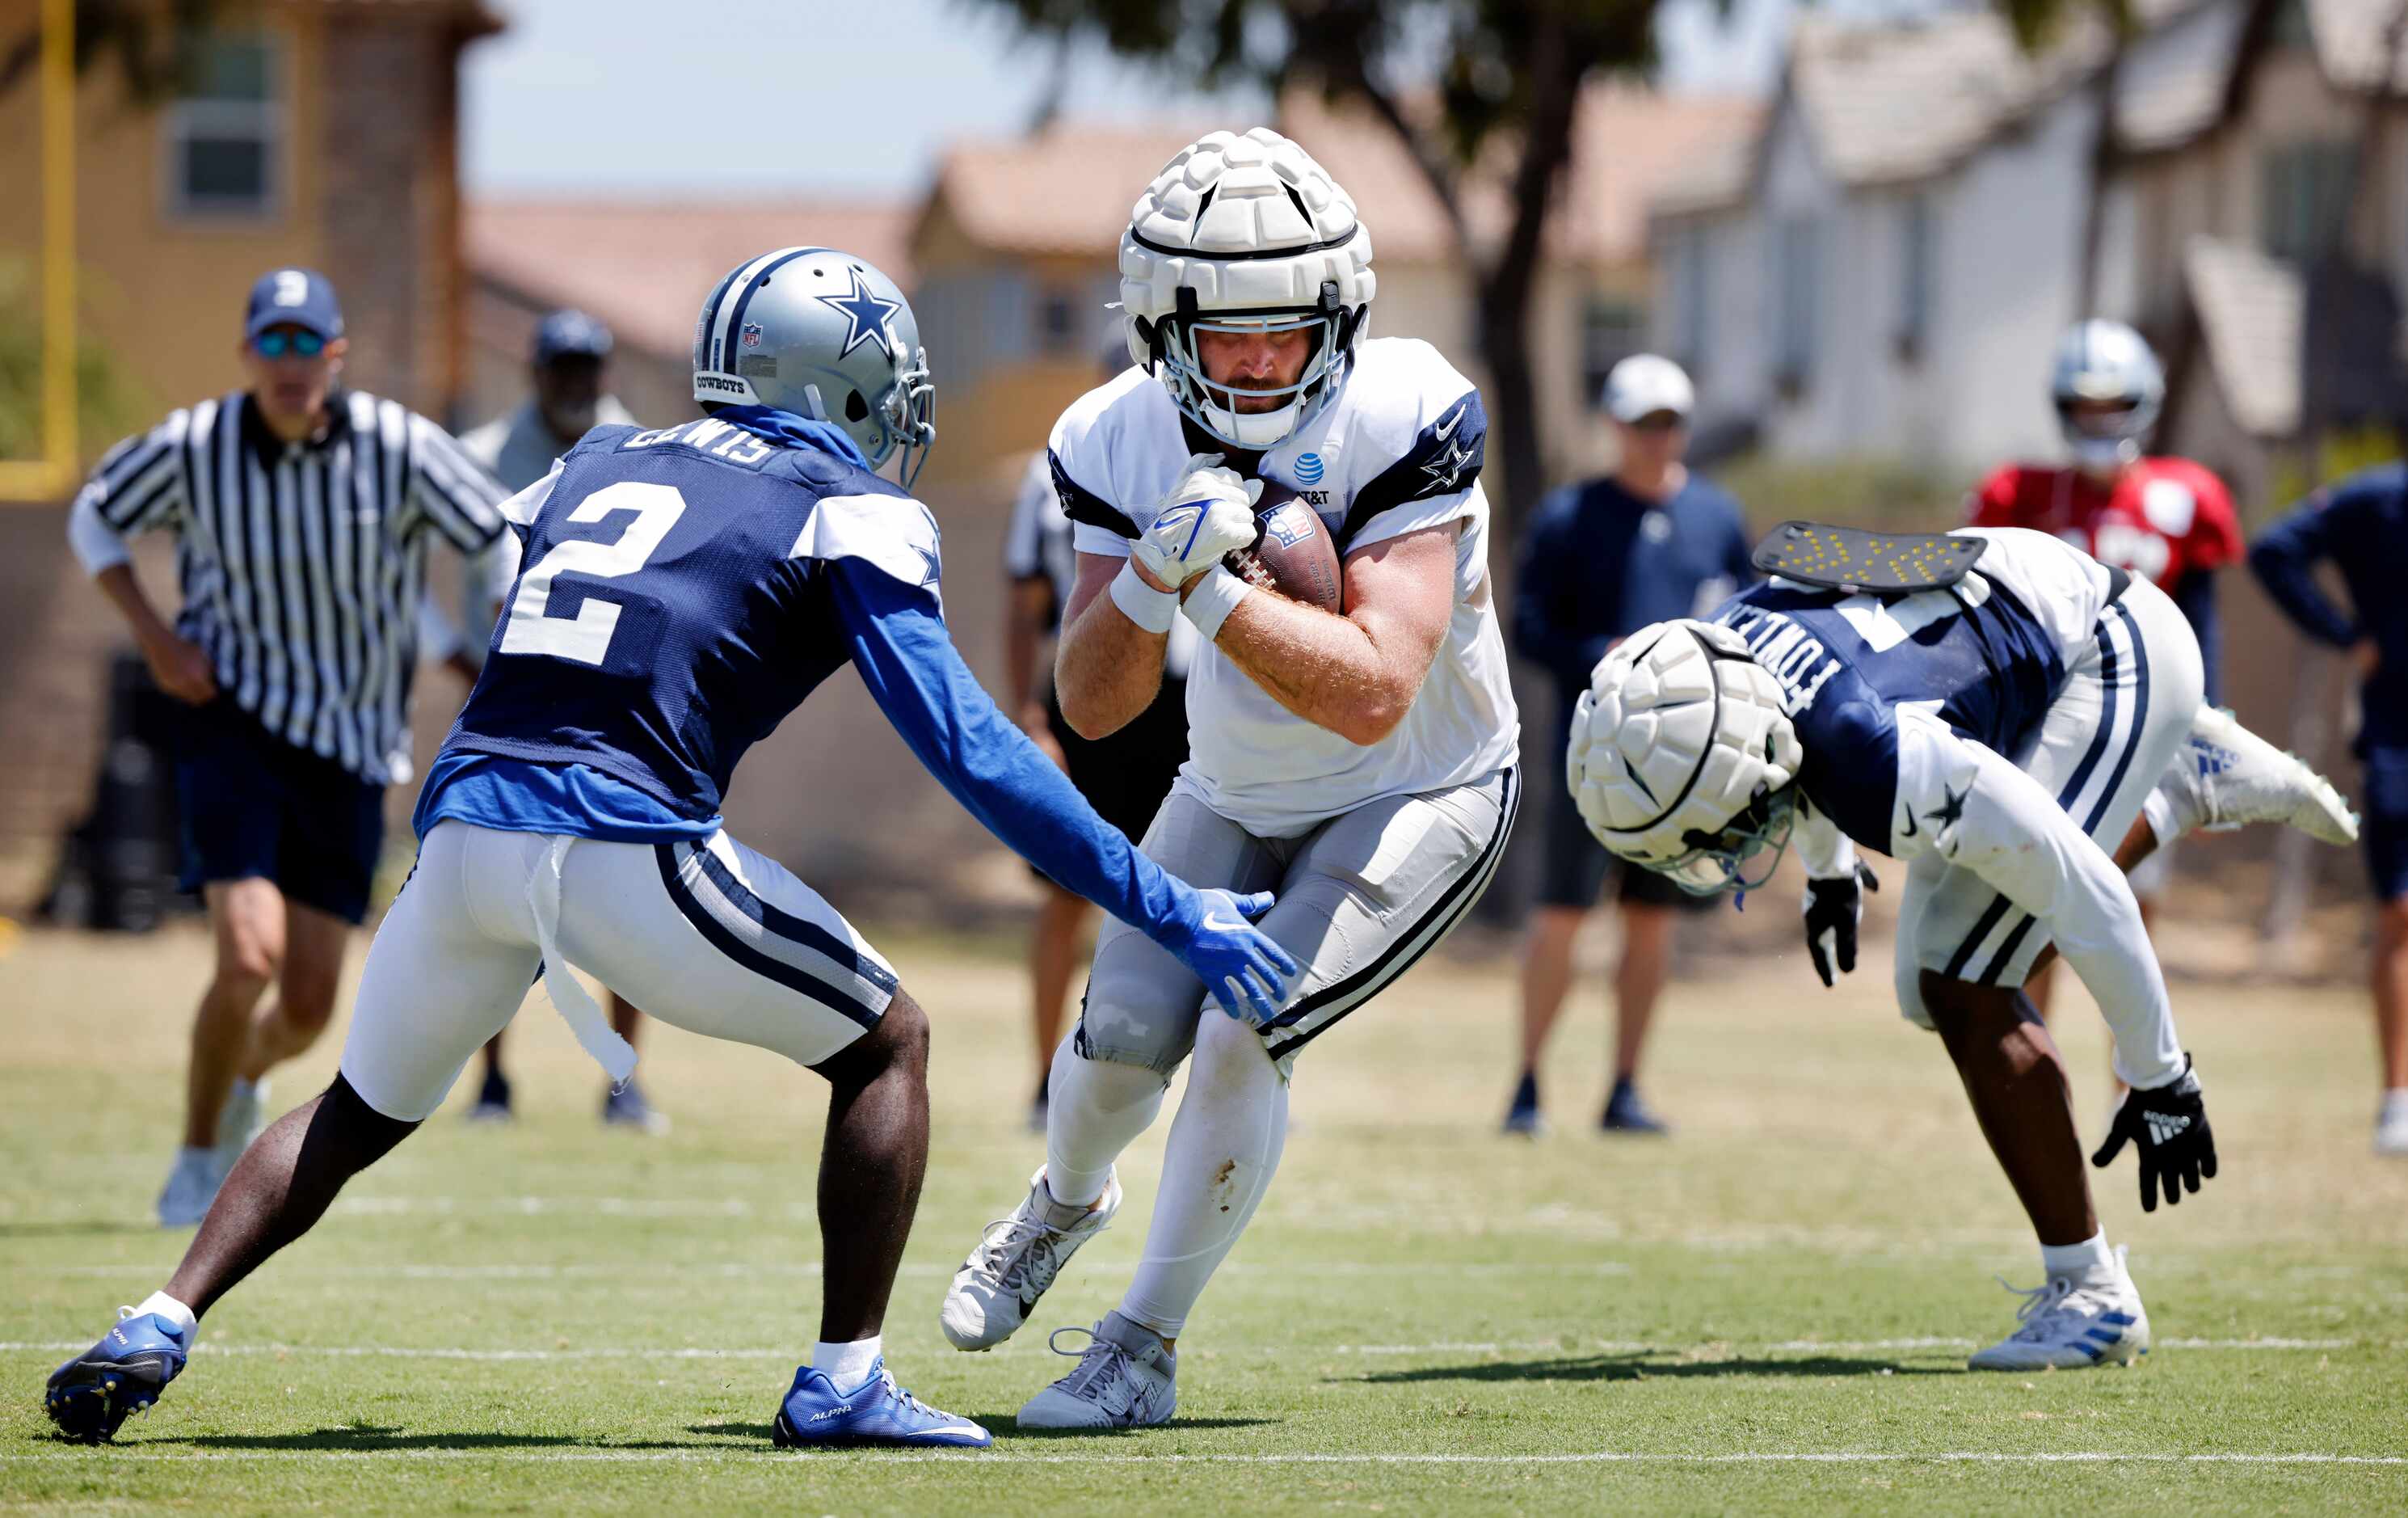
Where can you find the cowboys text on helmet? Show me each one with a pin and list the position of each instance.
(1682, 755)
(1245, 234)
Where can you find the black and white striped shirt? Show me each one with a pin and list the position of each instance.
(303, 566)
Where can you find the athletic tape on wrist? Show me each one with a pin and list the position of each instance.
(1149, 608)
(1210, 602)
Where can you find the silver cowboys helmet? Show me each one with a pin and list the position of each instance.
(1682, 756)
(824, 335)
(2106, 364)
(1244, 234)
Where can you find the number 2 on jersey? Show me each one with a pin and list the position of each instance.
(585, 638)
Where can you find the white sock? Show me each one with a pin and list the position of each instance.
(1095, 1108)
(187, 1152)
(174, 1311)
(2395, 1104)
(848, 1366)
(2169, 813)
(2077, 1261)
(1225, 1147)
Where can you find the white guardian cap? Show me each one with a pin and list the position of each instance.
(1244, 234)
(2108, 387)
(1681, 756)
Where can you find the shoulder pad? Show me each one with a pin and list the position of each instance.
(601, 439)
(1417, 427)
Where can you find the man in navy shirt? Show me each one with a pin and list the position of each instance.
(2360, 526)
(1649, 543)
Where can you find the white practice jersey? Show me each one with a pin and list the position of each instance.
(1399, 448)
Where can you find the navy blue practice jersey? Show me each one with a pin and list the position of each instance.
(1987, 657)
(675, 602)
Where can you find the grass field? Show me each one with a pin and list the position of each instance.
(1773, 1308)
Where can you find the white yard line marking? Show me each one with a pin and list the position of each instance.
(1576, 1349)
(681, 1270)
(756, 1453)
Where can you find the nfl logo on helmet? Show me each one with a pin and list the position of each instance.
(751, 334)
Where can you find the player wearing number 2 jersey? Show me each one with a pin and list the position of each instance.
(682, 590)
(2004, 737)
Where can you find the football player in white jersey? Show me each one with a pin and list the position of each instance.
(1362, 763)
(2019, 738)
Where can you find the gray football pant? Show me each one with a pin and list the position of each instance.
(1361, 897)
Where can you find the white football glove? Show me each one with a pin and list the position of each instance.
(1209, 513)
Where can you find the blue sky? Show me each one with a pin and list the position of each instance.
(717, 97)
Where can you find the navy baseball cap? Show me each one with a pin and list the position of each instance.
(570, 334)
(301, 297)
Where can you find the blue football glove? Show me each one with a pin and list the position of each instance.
(1238, 962)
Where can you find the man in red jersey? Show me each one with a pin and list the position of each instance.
(2165, 520)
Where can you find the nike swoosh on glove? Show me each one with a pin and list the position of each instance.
(1240, 964)
(1209, 513)
(2168, 1125)
(1833, 909)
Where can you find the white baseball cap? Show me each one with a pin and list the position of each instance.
(1645, 383)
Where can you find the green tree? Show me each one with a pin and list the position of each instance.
(149, 44)
(1498, 90)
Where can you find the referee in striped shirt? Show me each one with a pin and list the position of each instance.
(302, 513)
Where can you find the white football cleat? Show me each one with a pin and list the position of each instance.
(1124, 1379)
(1015, 1261)
(192, 1186)
(241, 1120)
(2074, 1324)
(2227, 776)
(2391, 1129)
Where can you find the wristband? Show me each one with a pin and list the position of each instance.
(1213, 599)
(1149, 608)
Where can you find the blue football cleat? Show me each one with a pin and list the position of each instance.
(122, 1374)
(876, 1414)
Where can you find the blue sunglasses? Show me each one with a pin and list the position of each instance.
(276, 344)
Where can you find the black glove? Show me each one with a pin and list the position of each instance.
(2168, 1125)
(1835, 907)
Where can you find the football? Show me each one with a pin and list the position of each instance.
(1292, 554)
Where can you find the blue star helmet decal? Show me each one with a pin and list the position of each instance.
(867, 313)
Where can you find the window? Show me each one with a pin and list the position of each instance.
(1690, 339)
(1610, 331)
(1795, 285)
(1057, 324)
(1915, 278)
(2303, 198)
(224, 134)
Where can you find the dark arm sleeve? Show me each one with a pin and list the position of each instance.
(908, 660)
(2195, 593)
(2285, 560)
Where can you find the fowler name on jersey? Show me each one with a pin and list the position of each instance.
(1398, 449)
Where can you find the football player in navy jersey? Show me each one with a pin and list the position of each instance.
(682, 590)
(2018, 738)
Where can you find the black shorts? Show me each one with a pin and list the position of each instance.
(1577, 865)
(2384, 833)
(1125, 775)
(255, 806)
